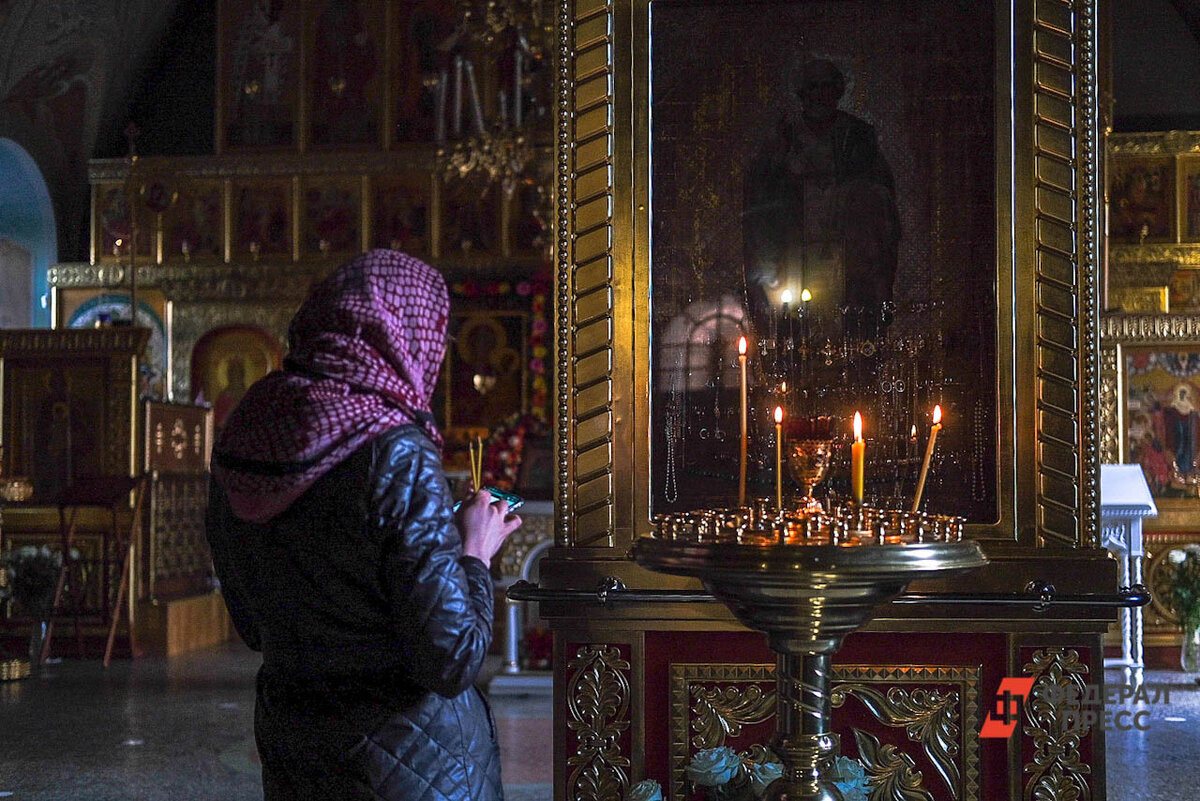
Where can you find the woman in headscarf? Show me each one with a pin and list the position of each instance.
(341, 560)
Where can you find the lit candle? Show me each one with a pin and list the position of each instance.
(858, 451)
(933, 432)
(779, 457)
(742, 451)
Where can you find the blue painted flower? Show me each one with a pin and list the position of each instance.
(714, 767)
(851, 779)
(762, 774)
(645, 790)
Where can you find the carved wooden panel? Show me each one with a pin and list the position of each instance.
(1057, 752)
(935, 709)
(598, 718)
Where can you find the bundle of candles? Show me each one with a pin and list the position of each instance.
(476, 448)
(849, 525)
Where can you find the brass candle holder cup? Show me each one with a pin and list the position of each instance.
(808, 462)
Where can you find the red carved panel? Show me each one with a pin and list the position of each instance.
(918, 662)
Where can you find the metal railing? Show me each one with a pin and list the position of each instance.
(1037, 595)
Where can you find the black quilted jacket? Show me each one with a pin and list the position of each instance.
(372, 626)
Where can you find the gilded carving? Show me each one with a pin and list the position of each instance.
(1139, 329)
(1091, 195)
(240, 282)
(536, 529)
(1110, 434)
(280, 163)
(1140, 299)
(1057, 771)
(713, 702)
(1125, 258)
(598, 695)
(892, 774)
(1154, 144)
(100, 276)
(720, 712)
(929, 716)
(1061, 264)
(179, 551)
(586, 300)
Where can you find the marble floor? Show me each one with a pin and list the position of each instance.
(172, 730)
(181, 729)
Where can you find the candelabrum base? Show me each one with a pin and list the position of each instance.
(789, 790)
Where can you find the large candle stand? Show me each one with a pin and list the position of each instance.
(806, 598)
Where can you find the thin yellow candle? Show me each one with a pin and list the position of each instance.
(933, 432)
(778, 457)
(742, 452)
(858, 451)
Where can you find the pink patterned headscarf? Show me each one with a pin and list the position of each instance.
(365, 350)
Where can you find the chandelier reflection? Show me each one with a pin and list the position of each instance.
(488, 124)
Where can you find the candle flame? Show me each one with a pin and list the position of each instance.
(778, 415)
(857, 426)
(741, 346)
(937, 414)
(783, 387)
(805, 295)
(913, 434)
(786, 297)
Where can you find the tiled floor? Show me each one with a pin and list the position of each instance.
(181, 729)
(159, 730)
(1162, 761)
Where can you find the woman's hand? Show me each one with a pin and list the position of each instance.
(485, 525)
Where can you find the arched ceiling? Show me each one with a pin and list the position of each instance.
(68, 69)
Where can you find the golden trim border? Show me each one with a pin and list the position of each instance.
(1048, 262)
(1118, 331)
(1159, 143)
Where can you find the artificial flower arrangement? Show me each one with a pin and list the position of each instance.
(722, 774)
(1182, 568)
(31, 577)
(504, 449)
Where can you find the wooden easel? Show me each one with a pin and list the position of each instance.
(110, 492)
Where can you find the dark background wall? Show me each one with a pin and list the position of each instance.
(1156, 64)
(72, 74)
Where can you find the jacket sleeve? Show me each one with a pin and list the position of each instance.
(441, 602)
(232, 566)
